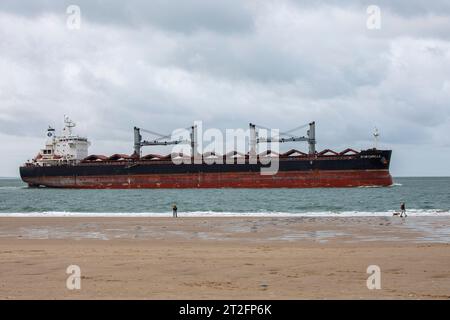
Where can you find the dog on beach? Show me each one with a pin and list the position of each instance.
(396, 214)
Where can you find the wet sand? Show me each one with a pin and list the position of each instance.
(225, 258)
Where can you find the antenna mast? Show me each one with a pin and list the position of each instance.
(376, 134)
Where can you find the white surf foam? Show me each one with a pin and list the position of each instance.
(410, 212)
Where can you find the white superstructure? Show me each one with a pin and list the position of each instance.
(67, 148)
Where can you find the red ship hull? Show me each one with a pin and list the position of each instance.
(291, 179)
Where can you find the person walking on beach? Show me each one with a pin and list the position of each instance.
(174, 210)
(402, 209)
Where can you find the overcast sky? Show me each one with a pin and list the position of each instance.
(163, 64)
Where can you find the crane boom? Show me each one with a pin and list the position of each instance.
(310, 137)
(281, 140)
(139, 143)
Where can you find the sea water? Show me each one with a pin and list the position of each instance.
(424, 196)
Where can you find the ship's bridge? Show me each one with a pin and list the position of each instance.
(66, 148)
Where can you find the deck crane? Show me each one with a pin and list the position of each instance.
(162, 140)
(310, 137)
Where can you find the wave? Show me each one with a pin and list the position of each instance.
(381, 187)
(410, 212)
(12, 187)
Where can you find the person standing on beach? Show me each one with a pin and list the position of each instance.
(174, 210)
(402, 209)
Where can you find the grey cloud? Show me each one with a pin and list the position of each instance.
(277, 65)
(404, 8)
(179, 16)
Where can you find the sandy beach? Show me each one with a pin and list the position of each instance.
(225, 258)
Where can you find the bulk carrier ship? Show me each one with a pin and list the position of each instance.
(65, 163)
